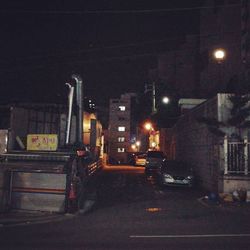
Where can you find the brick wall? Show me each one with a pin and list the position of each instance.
(195, 144)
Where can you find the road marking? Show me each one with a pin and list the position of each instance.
(190, 236)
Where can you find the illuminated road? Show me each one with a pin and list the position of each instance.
(132, 212)
(124, 169)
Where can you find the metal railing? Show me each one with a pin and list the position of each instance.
(236, 160)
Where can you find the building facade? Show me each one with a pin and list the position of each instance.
(20, 120)
(223, 25)
(122, 129)
(178, 68)
(220, 163)
(192, 69)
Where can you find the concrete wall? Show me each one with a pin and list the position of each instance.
(204, 150)
(195, 144)
(228, 184)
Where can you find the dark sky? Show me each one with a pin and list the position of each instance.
(111, 44)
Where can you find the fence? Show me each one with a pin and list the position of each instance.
(237, 160)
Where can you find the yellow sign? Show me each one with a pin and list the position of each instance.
(43, 142)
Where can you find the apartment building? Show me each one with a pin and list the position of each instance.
(122, 128)
(178, 68)
(224, 25)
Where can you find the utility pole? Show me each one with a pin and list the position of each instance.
(154, 110)
(151, 87)
(79, 103)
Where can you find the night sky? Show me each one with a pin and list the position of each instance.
(111, 44)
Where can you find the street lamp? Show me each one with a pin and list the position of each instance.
(152, 89)
(138, 144)
(153, 144)
(148, 126)
(165, 100)
(219, 55)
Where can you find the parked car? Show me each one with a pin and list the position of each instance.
(140, 160)
(174, 173)
(154, 161)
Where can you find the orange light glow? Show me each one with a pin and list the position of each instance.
(148, 126)
(153, 209)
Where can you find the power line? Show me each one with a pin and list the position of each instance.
(83, 61)
(40, 66)
(119, 46)
(93, 12)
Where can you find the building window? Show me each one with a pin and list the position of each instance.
(121, 119)
(121, 139)
(120, 150)
(121, 128)
(122, 108)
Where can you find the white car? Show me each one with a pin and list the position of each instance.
(176, 173)
(140, 160)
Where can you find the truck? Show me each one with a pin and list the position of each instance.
(45, 154)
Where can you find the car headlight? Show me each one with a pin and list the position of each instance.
(189, 177)
(167, 176)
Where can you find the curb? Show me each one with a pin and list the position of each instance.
(223, 205)
(26, 220)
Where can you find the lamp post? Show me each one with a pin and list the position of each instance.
(151, 88)
(165, 100)
(149, 127)
(138, 144)
(219, 56)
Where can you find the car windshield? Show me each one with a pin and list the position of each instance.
(155, 154)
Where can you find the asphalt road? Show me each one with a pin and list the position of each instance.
(132, 212)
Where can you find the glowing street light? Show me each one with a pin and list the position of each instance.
(136, 146)
(165, 100)
(148, 126)
(153, 144)
(219, 55)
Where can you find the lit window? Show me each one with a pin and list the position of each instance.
(122, 108)
(121, 139)
(121, 150)
(121, 129)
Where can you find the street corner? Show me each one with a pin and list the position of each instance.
(18, 218)
(225, 201)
